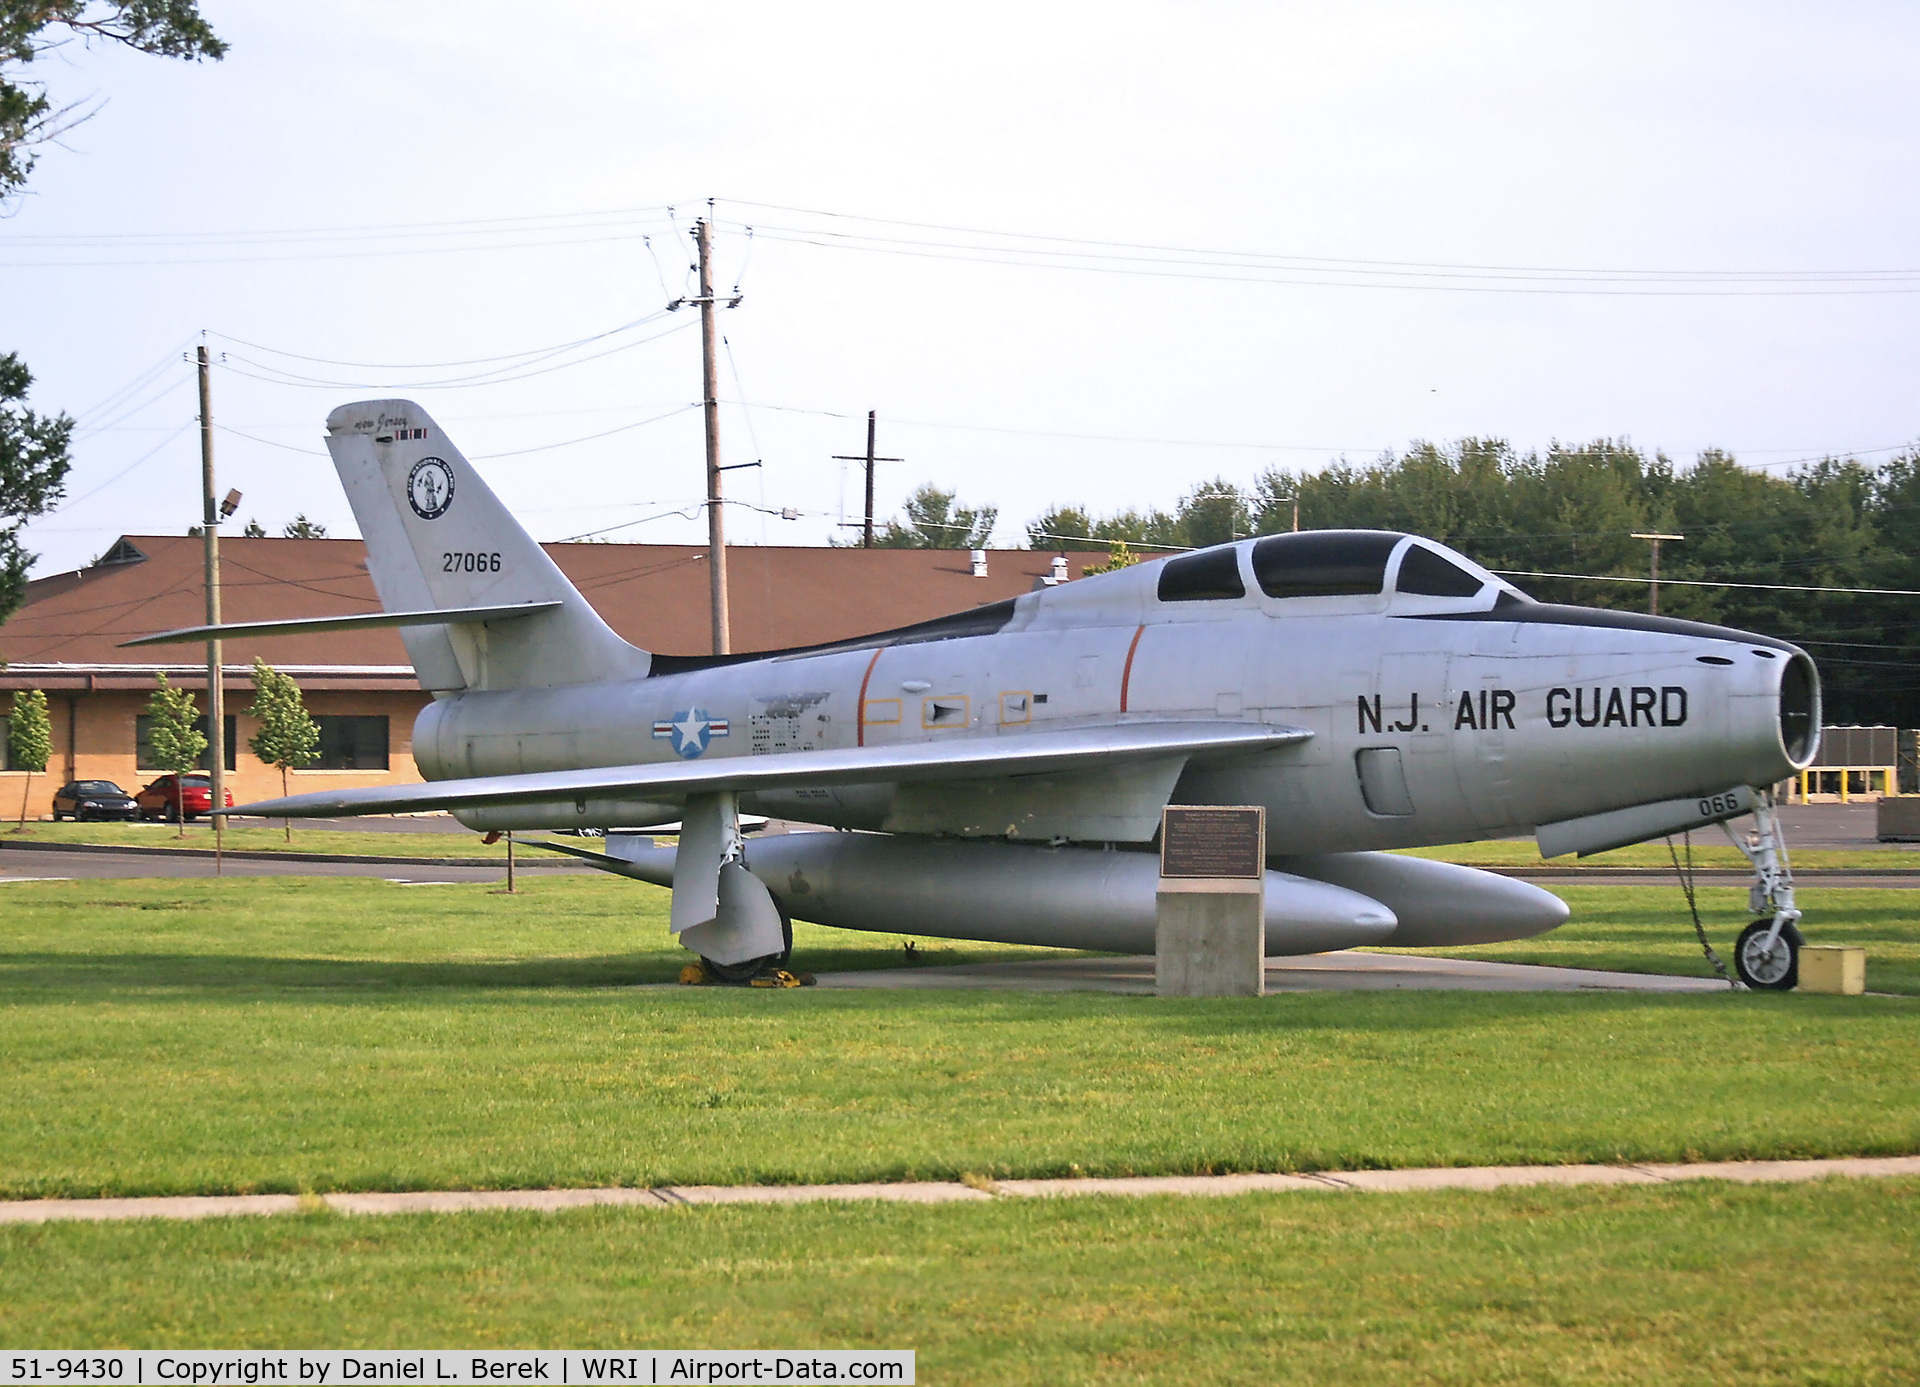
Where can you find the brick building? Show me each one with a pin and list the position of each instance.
(358, 685)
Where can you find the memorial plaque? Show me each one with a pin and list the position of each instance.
(1218, 842)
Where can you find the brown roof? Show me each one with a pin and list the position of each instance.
(654, 595)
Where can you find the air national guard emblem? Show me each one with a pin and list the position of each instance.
(430, 488)
(691, 731)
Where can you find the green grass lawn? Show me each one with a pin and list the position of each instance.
(289, 1034)
(1646, 929)
(255, 837)
(1695, 1283)
(1710, 849)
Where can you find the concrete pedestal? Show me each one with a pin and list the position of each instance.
(1211, 939)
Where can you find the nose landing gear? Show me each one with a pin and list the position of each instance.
(1768, 952)
(1768, 955)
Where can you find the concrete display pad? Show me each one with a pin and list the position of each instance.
(1337, 972)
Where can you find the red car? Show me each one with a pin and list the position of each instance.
(173, 796)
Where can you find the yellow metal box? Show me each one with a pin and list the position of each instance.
(1840, 968)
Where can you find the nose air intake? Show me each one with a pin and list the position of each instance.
(1799, 711)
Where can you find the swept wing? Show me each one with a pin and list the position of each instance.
(979, 758)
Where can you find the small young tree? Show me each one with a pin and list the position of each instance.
(29, 742)
(177, 743)
(1119, 556)
(287, 738)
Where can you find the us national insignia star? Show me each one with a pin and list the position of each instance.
(692, 730)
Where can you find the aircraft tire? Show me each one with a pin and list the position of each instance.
(1777, 971)
(740, 974)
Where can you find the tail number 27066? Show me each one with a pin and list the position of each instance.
(469, 563)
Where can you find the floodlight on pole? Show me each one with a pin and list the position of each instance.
(1653, 567)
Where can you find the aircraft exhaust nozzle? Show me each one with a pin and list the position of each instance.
(1072, 898)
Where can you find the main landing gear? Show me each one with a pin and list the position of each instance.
(1768, 952)
(767, 971)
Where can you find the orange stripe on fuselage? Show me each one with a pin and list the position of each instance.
(1126, 675)
(860, 715)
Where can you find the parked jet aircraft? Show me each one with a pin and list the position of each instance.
(1003, 766)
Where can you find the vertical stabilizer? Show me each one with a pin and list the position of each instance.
(437, 536)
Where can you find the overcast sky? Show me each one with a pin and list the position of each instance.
(1725, 195)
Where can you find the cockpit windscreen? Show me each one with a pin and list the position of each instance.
(1427, 574)
(1323, 563)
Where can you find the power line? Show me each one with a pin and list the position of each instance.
(297, 381)
(529, 222)
(1307, 260)
(1243, 267)
(588, 438)
(482, 457)
(65, 506)
(1704, 583)
(445, 365)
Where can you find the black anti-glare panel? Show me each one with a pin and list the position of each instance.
(1209, 576)
(1426, 574)
(1323, 563)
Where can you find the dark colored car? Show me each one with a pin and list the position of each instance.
(93, 799)
(173, 797)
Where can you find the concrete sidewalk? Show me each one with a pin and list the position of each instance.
(947, 1192)
(1347, 971)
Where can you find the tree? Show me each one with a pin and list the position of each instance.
(33, 474)
(29, 742)
(1119, 556)
(176, 742)
(287, 738)
(1073, 527)
(302, 528)
(254, 530)
(1215, 513)
(33, 448)
(1063, 528)
(936, 520)
(29, 28)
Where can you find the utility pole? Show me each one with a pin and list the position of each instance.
(1653, 569)
(866, 535)
(216, 692)
(710, 394)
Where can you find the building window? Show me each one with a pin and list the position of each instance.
(143, 743)
(352, 743)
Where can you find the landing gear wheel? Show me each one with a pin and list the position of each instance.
(1776, 969)
(743, 973)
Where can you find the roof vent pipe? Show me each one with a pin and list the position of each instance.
(1060, 574)
(979, 557)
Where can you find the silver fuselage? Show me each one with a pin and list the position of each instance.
(1470, 717)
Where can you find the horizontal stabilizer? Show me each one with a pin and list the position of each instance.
(368, 621)
(1035, 753)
